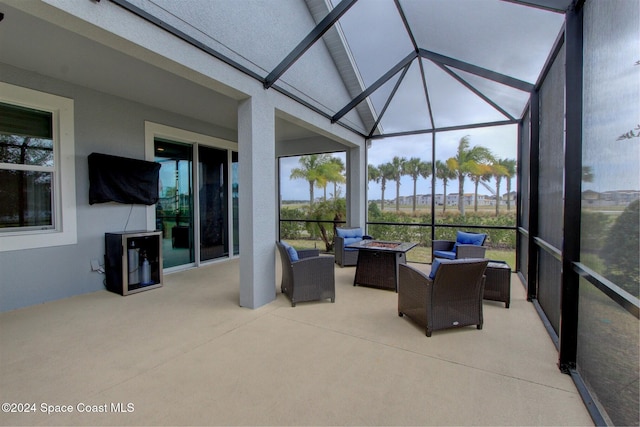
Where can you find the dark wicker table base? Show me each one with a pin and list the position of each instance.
(497, 285)
(378, 269)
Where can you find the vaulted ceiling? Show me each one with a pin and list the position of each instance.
(408, 66)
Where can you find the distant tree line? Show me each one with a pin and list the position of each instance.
(476, 163)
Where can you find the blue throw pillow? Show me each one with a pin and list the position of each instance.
(464, 238)
(293, 254)
(434, 268)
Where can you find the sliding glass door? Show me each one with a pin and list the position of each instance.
(198, 207)
(213, 196)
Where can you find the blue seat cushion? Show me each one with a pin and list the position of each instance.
(464, 238)
(445, 254)
(434, 268)
(293, 254)
(349, 232)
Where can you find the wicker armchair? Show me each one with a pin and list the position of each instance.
(345, 236)
(467, 245)
(450, 299)
(309, 278)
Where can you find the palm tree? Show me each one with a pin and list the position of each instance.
(373, 173)
(386, 174)
(462, 163)
(425, 173)
(338, 178)
(445, 174)
(510, 166)
(478, 172)
(397, 165)
(416, 168)
(498, 171)
(331, 172)
(311, 171)
(321, 183)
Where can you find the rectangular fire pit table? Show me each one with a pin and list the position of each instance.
(378, 262)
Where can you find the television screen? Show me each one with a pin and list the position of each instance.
(122, 180)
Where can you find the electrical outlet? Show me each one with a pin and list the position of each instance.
(95, 265)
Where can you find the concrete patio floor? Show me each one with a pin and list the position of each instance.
(187, 354)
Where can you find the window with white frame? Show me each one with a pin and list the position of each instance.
(37, 171)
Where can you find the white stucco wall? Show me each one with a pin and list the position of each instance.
(111, 124)
(105, 124)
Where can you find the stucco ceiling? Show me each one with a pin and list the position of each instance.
(32, 44)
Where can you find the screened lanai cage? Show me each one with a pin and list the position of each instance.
(515, 118)
(518, 119)
(440, 97)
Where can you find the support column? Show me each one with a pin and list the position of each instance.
(357, 186)
(257, 208)
(534, 196)
(572, 192)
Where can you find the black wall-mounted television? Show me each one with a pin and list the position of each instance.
(122, 180)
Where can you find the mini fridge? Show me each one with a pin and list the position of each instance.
(133, 261)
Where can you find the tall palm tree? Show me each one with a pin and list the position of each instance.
(478, 172)
(462, 163)
(386, 174)
(510, 166)
(416, 168)
(397, 165)
(321, 182)
(331, 172)
(338, 178)
(425, 173)
(498, 171)
(311, 171)
(373, 173)
(445, 174)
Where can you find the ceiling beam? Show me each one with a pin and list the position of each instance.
(407, 27)
(476, 91)
(323, 26)
(426, 93)
(479, 71)
(445, 129)
(550, 6)
(382, 80)
(388, 101)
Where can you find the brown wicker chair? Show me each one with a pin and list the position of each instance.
(343, 237)
(310, 278)
(452, 299)
(461, 248)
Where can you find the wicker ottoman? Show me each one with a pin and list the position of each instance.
(497, 286)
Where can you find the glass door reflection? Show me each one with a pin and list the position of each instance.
(174, 210)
